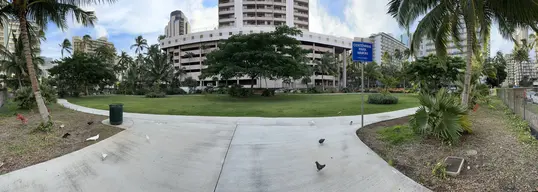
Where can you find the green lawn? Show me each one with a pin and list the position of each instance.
(256, 106)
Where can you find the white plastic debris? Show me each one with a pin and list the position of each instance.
(93, 138)
(62, 126)
(103, 156)
(468, 167)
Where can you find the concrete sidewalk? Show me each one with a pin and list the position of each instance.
(188, 153)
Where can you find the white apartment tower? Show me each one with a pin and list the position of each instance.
(177, 25)
(384, 42)
(248, 13)
(427, 46)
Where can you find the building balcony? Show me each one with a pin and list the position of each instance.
(300, 22)
(226, 19)
(227, 11)
(227, 4)
(300, 7)
(302, 14)
(190, 60)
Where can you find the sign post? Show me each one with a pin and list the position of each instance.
(362, 52)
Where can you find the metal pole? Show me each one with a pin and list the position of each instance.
(362, 95)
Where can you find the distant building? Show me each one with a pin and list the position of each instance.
(12, 28)
(427, 46)
(46, 66)
(384, 42)
(405, 39)
(516, 71)
(91, 45)
(520, 34)
(177, 25)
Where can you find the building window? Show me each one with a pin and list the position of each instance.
(220, 34)
(169, 42)
(176, 40)
(210, 35)
(192, 37)
(201, 36)
(176, 61)
(231, 33)
(240, 32)
(184, 39)
(251, 31)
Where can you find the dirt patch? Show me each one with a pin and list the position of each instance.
(495, 160)
(23, 145)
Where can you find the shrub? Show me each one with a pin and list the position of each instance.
(221, 90)
(26, 100)
(141, 91)
(347, 90)
(398, 134)
(175, 91)
(441, 116)
(155, 95)
(268, 92)
(238, 91)
(382, 99)
(314, 90)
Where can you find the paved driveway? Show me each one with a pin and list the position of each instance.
(229, 154)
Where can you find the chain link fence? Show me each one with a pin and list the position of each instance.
(523, 102)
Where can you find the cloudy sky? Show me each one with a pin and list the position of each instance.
(123, 21)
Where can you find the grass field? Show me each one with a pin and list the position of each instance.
(256, 106)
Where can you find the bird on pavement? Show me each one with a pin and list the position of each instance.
(321, 141)
(351, 123)
(319, 166)
(90, 122)
(93, 138)
(66, 135)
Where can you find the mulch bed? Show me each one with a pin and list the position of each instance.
(22, 145)
(502, 163)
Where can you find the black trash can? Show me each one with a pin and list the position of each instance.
(116, 113)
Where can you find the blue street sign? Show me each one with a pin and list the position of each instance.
(362, 52)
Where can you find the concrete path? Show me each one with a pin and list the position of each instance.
(224, 154)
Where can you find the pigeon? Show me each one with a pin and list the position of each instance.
(103, 156)
(62, 126)
(351, 123)
(319, 166)
(93, 138)
(321, 141)
(66, 135)
(312, 123)
(90, 122)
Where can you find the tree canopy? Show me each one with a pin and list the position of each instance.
(271, 55)
(432, 73)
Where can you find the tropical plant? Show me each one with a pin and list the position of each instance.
(43, 12)
(25, 98)
(86, 39)
(161, 37)
(520, 54)
(306, 81)
(495, 70)
(431, 73)
(140, 44)
(14, 62)
(383, 99)
(157, 65)
(442, 20)
(191, 83)
(441, 116)
(326, 66)
(124, 61)
(66, 46)
(107, 53)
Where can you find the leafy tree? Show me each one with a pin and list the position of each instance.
(431, 73)
(85, 41)
(124, 61)
(526, 81)
(442, 19)
(271, 55)
(306, 81)
(43, 12)
(326, 66)
(66, 46)
(191, 83)
(161, 37)
(81, 72)
(107, 53)
(140, 44)
(499, 74)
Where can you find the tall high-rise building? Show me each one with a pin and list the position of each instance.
(405, 39)
(517, 71)
(89, 46)
(427, 47)
(10, 29)
(384, 42)
(177, 25)
(520, 34)
(245, 13)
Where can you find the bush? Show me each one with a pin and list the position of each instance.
(155, 95)
(221, 90)
(268, 92)
(347, 90)
(175, 91)
(441, 116)
(314, 90)
(26, 100)
(236, 90)
(141, 91)
(382, 99)
(398, 134)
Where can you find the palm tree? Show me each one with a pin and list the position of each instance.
(14, 62)
(520, 54)
(161, 37)
(371, 72)
(124, 61)
(534, 43)
(85, 41)
(66, 46)
(327, 65)
(442, 19)
(43, 12)
(158, 65)
(140, 44)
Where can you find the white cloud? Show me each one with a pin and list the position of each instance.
(131, 18)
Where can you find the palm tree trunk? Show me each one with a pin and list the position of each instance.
(31, 71)
(20, 81)
(322, 82)
(468, 68)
